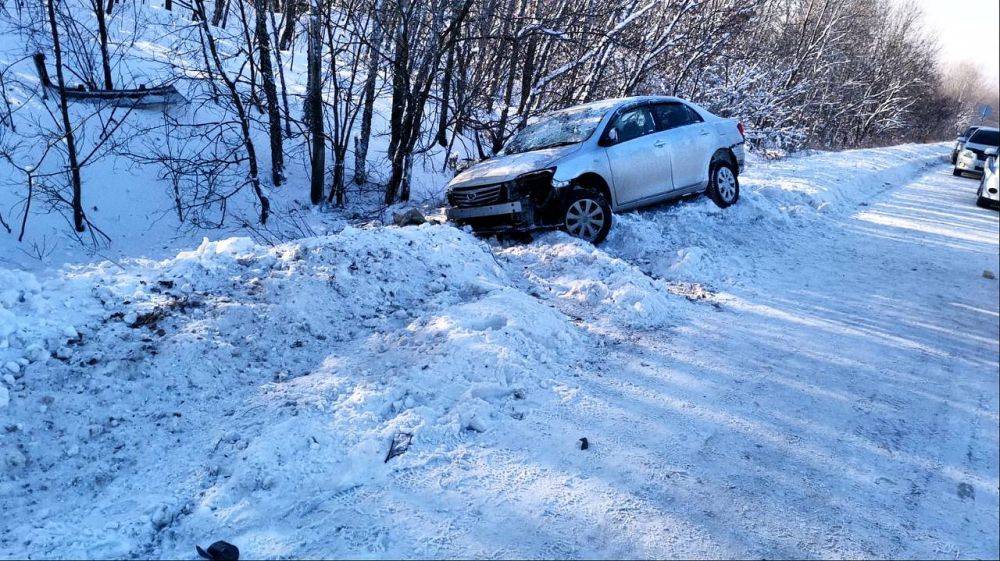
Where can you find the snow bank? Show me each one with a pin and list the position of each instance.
(234, 381)
(685, 240)
(595, 282)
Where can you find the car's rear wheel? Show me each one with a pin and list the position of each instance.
(587, 215)
(723, 184)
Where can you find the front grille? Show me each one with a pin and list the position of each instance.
(476, 196)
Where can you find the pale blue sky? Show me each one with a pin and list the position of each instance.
(966, 30)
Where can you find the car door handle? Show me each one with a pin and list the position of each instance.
(660, 143)
(704, 133)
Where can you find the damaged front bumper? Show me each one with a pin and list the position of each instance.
(525, 204)
(510, 217)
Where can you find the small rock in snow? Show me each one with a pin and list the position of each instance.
(12, 457)
(584, 444)
(410, 217)
(160, 517)
(988, 274)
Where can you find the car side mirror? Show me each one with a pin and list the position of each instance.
(613, 136)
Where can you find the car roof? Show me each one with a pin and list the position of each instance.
(618, 102)
(988, 129)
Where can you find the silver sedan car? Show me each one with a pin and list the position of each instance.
(573, 168)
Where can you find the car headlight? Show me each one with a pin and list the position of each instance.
(968, 154)
(534, 180)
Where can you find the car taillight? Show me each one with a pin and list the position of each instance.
(743, 132)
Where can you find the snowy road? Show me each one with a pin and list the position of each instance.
(842, 403)
(812, 373)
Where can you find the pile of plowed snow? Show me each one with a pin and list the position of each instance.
(238, 375)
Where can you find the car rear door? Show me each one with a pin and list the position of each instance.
(690, 141)
(640, 166)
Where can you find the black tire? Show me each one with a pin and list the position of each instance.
(726, 193)
(982, 202)
(587, 215)
(954, 158)
(956, 172)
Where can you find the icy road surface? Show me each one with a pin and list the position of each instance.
(813, 373)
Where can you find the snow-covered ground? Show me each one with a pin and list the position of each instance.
(813, 372)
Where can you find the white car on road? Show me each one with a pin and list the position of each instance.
(571, 169)
(989, 186)
(981, 145)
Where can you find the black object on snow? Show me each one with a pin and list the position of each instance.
(400, 442)
(220, 551)
(584, 444)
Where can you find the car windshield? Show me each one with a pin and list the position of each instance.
(968, 132)
(570, 126)
(987, 137)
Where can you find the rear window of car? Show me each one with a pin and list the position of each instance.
(989, 138)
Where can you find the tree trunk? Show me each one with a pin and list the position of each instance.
(270, 92)
(102, 33)
(288, 29)
(449, 67)
(74, 165)
(400, 96)
(314, 105)
(337, 188)
(218, 9)
(361, 141)
(281, 77)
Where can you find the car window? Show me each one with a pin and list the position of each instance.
(673, 115)
(695, 117)
(987, 137)
(968, 132)
(633, 124)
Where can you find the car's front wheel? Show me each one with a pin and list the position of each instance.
(587, 215)
(981, 201)
(956, 172)
(723, 185)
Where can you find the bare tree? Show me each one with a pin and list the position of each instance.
(314, 105)
(270, 91)
(238, 105)
(74, 165)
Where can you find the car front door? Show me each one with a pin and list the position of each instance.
(689, 140)
(640, 168)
